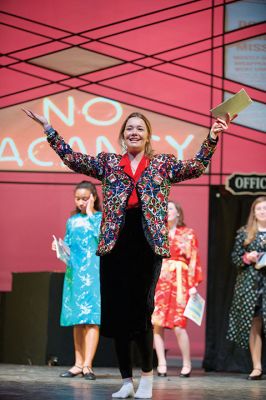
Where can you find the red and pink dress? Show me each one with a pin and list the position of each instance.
(179, 273)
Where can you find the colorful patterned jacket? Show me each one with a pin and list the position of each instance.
(153, 188)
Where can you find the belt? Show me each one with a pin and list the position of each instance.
(178, 266)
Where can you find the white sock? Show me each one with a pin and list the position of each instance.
(145, 387)
(127, 390)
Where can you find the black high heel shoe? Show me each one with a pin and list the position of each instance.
(187, 374)
(69, 374)
(162, 374)
(255, 377)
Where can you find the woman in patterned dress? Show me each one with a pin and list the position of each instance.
(81, 292)
(180, 276)
(133, 236)
(247, 319)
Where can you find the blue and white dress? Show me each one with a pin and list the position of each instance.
(81, 294)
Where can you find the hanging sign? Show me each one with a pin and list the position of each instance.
(253, 183)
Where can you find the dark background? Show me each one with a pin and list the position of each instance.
(227, 214)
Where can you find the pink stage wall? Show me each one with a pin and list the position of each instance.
(86, 68)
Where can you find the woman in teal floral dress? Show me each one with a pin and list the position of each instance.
(81, 293)
(247, 321)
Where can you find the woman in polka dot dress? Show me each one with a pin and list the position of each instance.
(247, 321)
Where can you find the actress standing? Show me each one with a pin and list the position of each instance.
(133, 237)
(180, 276)
(247, 322)
(81, 291)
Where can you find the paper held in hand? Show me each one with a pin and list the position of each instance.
(62, 250)
(233, 105)
(261, 263)
(195, 308)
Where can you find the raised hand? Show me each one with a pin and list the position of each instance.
(53, 247)
(90, 205)
(192, 291)
(221, 125)
(38, 118)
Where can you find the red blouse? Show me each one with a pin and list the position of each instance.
(133, 200)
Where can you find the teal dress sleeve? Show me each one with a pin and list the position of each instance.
(67, 237)
(95, 221)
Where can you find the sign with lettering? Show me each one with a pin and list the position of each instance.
(90, 124)
(246, 183)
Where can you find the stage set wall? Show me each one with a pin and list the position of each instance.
(187, 64)
(41, 210)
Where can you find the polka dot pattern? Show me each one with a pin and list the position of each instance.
(250, 284)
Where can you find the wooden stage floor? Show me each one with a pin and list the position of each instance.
(20, 382)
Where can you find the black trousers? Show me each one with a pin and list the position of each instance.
(144, 342)
(128, 275)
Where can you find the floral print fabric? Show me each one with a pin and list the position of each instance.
(81, 292)
(179, 273)
(152, 187)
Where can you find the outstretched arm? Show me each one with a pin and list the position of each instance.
(193, 168)
(78, 162)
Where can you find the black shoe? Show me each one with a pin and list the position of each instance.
(187, 375)
(69, 374)
(162, 374)
(89, 375)
(255, 377)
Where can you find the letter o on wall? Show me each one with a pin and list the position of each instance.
(97, 122)
(239, 182)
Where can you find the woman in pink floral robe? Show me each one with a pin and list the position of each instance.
(180, 275)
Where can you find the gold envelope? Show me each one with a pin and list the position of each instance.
(233, 105)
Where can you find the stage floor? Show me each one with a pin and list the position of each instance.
(43, 383)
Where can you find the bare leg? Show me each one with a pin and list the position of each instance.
(183, 343)
(91, 339)
(79, 351)
(160, 349)
(255, 345)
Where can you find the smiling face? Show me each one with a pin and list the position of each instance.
(135, 135)
(81, 199)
